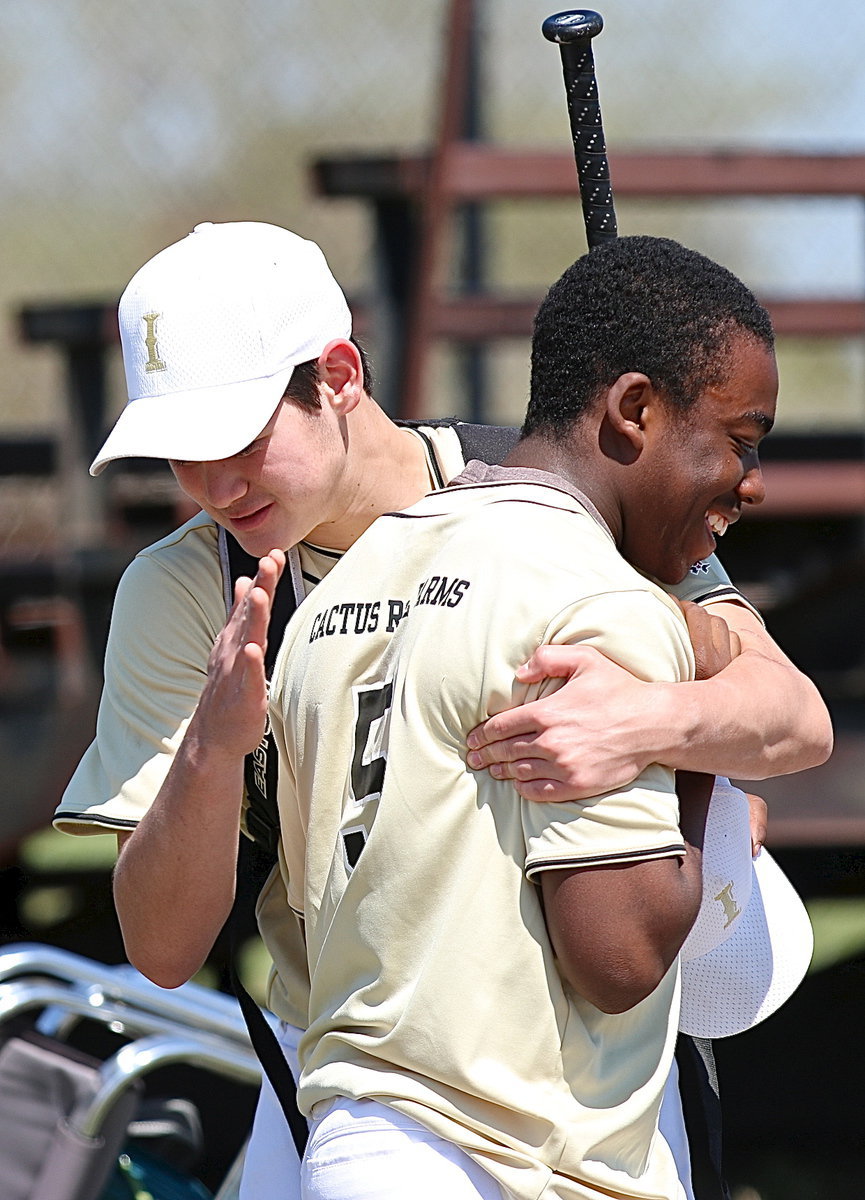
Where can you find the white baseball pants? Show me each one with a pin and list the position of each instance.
(360, 1144)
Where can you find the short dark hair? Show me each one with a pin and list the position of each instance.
(303, 385)
(636, 304)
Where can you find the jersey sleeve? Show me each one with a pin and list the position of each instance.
(708, 583)
(640, 632)
(159, 641)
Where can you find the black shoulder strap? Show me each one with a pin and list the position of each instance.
(273, 1063)
(487, 443)
(260, 768)
(262, 822)
(286, 598)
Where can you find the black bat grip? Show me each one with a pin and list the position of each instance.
(573, 32)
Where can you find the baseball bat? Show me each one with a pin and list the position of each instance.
(573, 32)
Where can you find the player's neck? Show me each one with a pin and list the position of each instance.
(386, 470)
(577, 461)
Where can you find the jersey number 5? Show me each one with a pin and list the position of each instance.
(367, 772)
(367, 768)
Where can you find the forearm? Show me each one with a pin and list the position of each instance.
(174, 879)
(757, 718)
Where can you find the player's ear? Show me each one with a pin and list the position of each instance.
(340, 373)
(628, 405)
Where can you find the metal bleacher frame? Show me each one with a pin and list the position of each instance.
(57, 992)
(395, 188)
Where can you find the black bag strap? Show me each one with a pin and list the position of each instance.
(272, 1059)
(262, 819)
(487, 443)
(701, 1106)
(261, 767)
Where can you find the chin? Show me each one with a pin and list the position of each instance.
(672, 577)
(256, 546)
(675, 571)
(669, 573)
(269, 537)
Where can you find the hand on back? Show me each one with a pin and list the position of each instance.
(595, 732)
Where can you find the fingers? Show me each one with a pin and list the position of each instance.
(536, 779)
(233, 703)
(544, 791)
(250, 614)
(511, 759)
(501, 729)
(547, 662)
(561, 746)
(270, 569)
(523, 770)
(715, 645)
(758, 817)
(555, 662)
(539, 772)
(253, 599)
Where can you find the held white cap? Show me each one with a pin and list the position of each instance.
(211, 329)
(751, 944)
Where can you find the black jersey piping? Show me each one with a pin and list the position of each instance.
(87, 818)
(674, 849)
(432, 461)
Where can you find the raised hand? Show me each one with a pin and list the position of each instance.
(233, 704)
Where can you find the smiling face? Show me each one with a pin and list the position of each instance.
(278, 489)
(700, 465)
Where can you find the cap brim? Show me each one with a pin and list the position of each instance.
(198, 426)
(756, 970)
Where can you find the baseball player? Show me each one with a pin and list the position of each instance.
(291, 449)
(495, 985)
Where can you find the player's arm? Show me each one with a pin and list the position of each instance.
(621, 872)
(174, 879)
(758, 717)
(617, 929)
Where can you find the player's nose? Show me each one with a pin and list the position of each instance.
(214, 485)
(752, 487)
(223, 482)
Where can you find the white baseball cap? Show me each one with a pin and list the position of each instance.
(751, 944)
(211, 329)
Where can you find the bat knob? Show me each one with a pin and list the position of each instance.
(577, 25)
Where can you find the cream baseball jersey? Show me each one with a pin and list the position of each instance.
(433, 984)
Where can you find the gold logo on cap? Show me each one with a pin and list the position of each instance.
(154, 362)
(728, 901)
